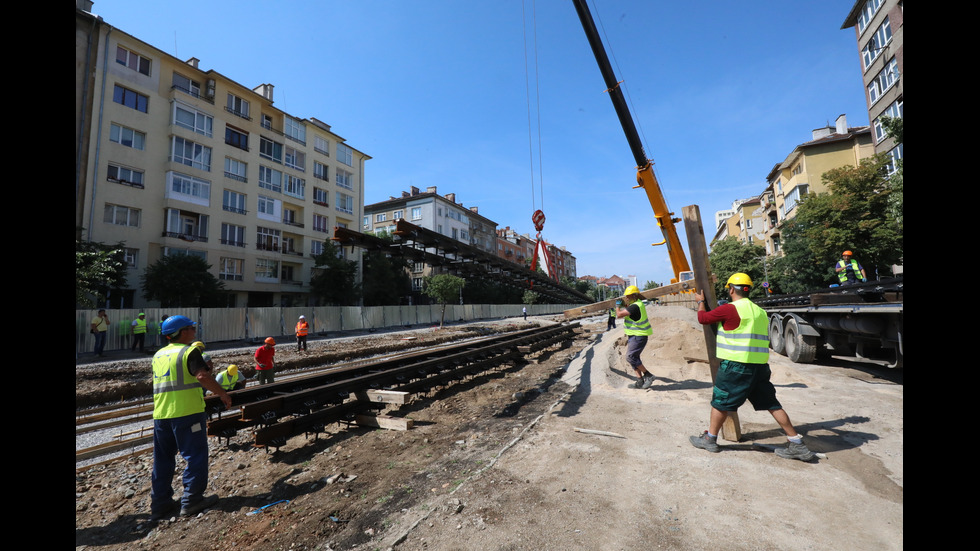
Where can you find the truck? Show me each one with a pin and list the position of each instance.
(864, 320)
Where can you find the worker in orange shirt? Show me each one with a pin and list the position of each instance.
(302, 329)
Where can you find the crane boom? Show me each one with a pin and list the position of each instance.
(645, 178)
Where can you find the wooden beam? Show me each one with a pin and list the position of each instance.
(384, 422)
(382, 396)
(648, 294)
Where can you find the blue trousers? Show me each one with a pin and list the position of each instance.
(189, 436)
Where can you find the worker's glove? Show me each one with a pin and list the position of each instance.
(864, 280)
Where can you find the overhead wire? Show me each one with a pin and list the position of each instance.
(537, 101)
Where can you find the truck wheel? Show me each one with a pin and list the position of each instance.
(800, 348)
(776, 341)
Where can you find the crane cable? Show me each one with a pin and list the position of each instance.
(537, 107)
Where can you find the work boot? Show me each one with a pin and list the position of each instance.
(163, 511)
(196, 508)
(795, 451)
(705, 442)
(647, 381)
(638, 383)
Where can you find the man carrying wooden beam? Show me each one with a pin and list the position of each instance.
(743, 347)
(637, 328)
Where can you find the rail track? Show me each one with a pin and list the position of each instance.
(306, 402)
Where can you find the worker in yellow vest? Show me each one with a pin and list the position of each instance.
(742, 345)
(138, 327)
(229, 379)
(633, 312)
(302, 329)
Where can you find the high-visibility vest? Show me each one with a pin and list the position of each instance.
(226, 381)
(843, 273)
(302, 328)
(140, 326)
(749, 342)
(176, 393)
(641, 327)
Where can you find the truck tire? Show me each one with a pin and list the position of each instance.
(800, 348)
(776, 341)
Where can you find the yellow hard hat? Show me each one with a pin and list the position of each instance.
(631, 290)
(233, 370)
(740, 280)
(199, 345)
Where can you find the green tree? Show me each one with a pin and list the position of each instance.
(386, 279)
(99, 268)
(894, 127)
(443, 288)
(530, 297)
(730, 256)
(650, 285)
(182, 280)
(335, 279)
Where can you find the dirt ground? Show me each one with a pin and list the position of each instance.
(496, 463)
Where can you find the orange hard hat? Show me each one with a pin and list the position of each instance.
(847, 253)
(270, 340)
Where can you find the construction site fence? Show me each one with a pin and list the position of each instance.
(237, 324)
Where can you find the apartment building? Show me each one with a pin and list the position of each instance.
(745, 223)
(878, 27)
(177, 159)
(801, 173)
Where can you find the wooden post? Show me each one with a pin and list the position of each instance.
(731, 430)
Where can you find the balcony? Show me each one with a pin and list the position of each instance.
(186, 237)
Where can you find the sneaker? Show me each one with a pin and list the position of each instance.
(647, 381)
(191, 510)
(638, 383)
(795, 451)
(706, 442)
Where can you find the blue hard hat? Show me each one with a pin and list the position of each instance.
(173, 324)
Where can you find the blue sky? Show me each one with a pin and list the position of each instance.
(436, 91)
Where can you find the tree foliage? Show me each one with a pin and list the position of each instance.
(335, 279)
(530, 297)
(730, 256)
(182, 280)
(386, 280)
(894, 127)
(99, 268)
(650, 285)
(443, 288)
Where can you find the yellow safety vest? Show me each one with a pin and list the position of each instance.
(140, 326)
(749, 342)
(842, 275)
(641, 327)
(176, 393)
(226, 381)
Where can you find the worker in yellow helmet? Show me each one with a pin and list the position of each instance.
(229, 379)
(633, 312)
(742, 345)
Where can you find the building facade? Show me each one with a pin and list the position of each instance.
(183, 160)
(746, 222)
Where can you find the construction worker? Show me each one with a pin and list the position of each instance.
(630, 307)
(100, 328)
(265, 365)
(207, 357)
(179, 422)
(229, 378)
(742, 345)
(302, 329)
(849, 270)
(611, 322)
(138, 328)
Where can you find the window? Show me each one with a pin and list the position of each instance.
(237, 106)
(294, 158)
(367, 223)
(266, 121)
(868, 12)
(321, 145)
(190, 153)
(321, 197)
(188, 188)
(121, 216)
(895, 111)
(192, 119)
(416, 283)
(416, 213)
(345, 203)
(132, 60)
(288, 273)
(794, 197)
(883, 81)
(876, 44)
(131, 99)
(894, 156)
(381, 217)
(344, 178)
(231, 269)
(186, 85)
(316, 248)
(131, 257)
(345, 154)
(398, 215)
(291, 217)
(320, 171)
(293, 186)
(266, 270)
(270, 178)
(295, 130)
(125, 175)
(127, 137)
(233, 235)
(270, 150)
(232, 201)
(321, 223)
(269, 208)
(235, 169)
(267, 239)
(237, 138)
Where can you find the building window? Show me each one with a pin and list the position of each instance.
(186, 85)
(895, 111)
(398, 215)
(381, 217)
(320, 171)
(269, 208)
(270, 178)
(132, 60)
(316, 248)
(190, 153)
(127, 137)
(894, 156)
(192, 119)
(188, 188)
(321, 145)
(321, 223)
(876, 44)
(294, 158)
(270, 150)
(267, 239)
(345, 154)
(416, 213)
(266, 270)
(235, 169)
(127, 176)
(321, 197)
(231, 269)
(232, 201)
(868, 12)
(293, 186)
(345, 203)
(233, 235)
(794, 196)
(121, 216)
(366, 223)
(295, 130)
(237, 106)
(236, 138)
(131, 99)
(344, 178)
(883, 81)
(416, 283)
(131, 257)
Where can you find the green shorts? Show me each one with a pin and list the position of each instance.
(737, 382)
